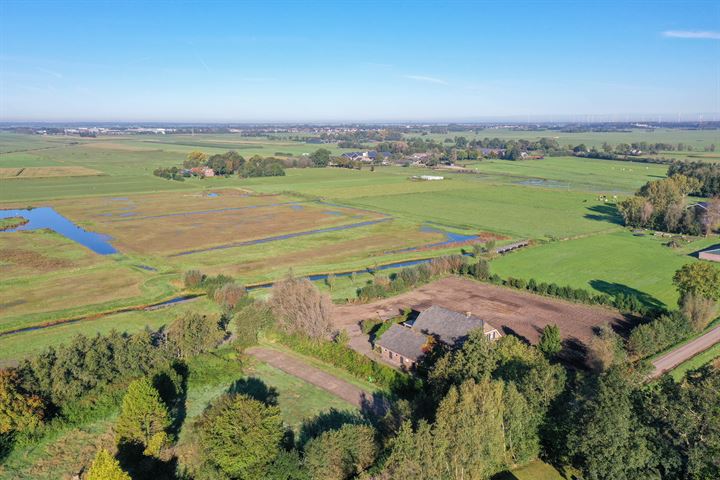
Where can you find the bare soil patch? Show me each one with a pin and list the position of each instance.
(514, 312)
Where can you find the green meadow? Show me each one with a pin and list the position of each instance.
(564, 203)
(698, 139)
(610, 263)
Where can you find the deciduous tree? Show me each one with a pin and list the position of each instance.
(301, 308)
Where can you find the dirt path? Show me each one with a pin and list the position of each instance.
(297, 368)
(674, 358)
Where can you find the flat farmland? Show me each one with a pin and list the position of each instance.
(574, 173)
(46, 276)
(511, 311)
(311, 220)
(611, 263)
(336, 251)
(526, 212)
(697, 139)
(171, 224)
(44, 172)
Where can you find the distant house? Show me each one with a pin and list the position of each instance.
(405, 345)
(368, 156)
(203, 171)
(497, 152)
(711, 255)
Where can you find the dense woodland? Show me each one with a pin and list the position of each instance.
(468, 414)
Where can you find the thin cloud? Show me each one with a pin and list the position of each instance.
(422, 78)
(50, 72)
(707, 34)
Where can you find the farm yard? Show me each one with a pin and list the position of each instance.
(310, 220)
(512, 312)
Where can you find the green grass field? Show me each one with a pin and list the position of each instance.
(47, 279)
(698, 139)
(608, 263)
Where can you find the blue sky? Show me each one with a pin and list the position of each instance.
(357, 61)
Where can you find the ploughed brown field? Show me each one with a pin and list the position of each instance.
(513, 312)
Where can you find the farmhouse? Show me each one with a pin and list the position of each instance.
(711, 255)
(203, 171)
(405, 345)
(368, 156)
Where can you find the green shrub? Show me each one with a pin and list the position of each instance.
(653, 337)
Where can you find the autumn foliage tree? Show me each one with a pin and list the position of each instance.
(20, 411)
(301, 308)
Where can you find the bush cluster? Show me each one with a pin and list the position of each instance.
(663, 332)
(411, 277)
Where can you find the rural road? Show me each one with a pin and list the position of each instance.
(674, 358)
(297, 368)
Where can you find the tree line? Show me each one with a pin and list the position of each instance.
(663, 205)
(223, 164)
(471, 412)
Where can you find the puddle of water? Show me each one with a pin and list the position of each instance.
(332, 212)
(127, 214)
(541, 182)
(297, 207)
(213, 195)
(46, 217)
(146, 267)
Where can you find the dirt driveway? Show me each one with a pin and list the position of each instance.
(674, 358)
(521, 313)
(330, 383)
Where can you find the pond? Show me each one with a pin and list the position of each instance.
(46, 217)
